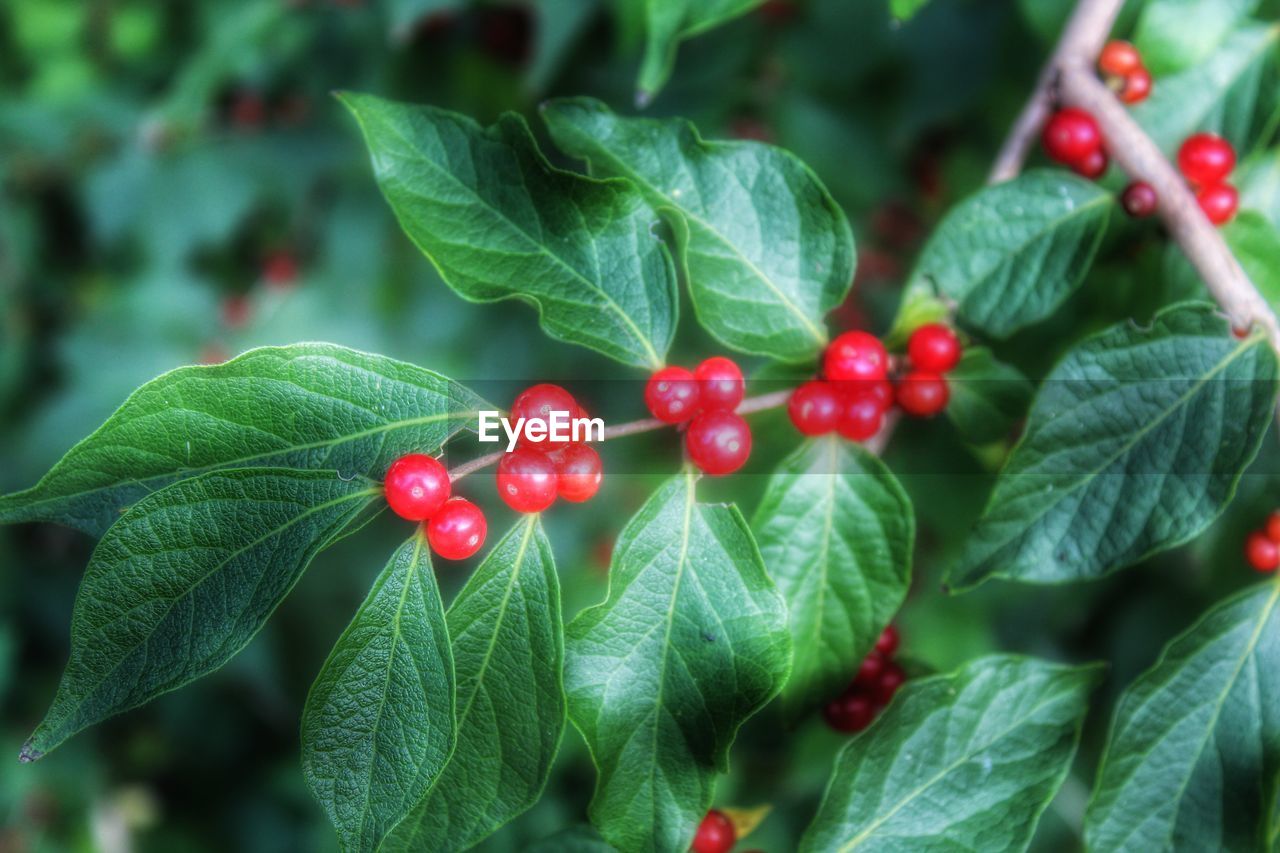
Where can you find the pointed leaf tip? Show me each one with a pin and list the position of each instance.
(29, 754)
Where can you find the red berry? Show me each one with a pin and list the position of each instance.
(860, 417)
(236, 311)
(933, 347)
(579, 472)
(870, 670)
(718, 442)
(672, 395)
(416, 486)
(527, 480)
(1137, 86)
(1262, 552)
(1206, 158)
(1219, 202)
(1273, 526)
(715, 834)
(1139, 199)
(887, 642)
(850, 712)
(1070, 135)
(890, 680)
(457, 530)
(279, 269)
(1119, 58)
(720, 384)
(855, 356)
(537, 403)
(922, 394)
(1093, 166)
(814, 407)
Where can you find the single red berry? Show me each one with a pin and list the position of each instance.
(933, 347)
(1273, 526)
(1262, 552)
(887, 642)
(236, 311)
(416, 486)
(922, 394)
(1070, 135)
(1137, 86)
(279, 269)
(870, 670)
(1206, 158)
(890, 680)
(1219, 202)
(1139, 199)
(1093, 166)
(814, 407)
(1119, 58)
(855, 356)
(539, 403)
(881, 391)
(527, 480)
(720, 384)
(718, 442)
(851, 712)
(579, 472)
(457, 530)
(861, 416)
(672, 395)
(715, 834)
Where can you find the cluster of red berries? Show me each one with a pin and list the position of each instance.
(1072, 137)
(530, 477)
(877, 680)
(1262, 547)
(1121, 64)
(854, 392)
(716, 834)
(417, 488)
(1206, 161)
(717, 440)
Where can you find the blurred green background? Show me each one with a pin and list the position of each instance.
(178, 186)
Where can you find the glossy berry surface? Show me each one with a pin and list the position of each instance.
(537, 403)
(855, 356)
(1119, 58)
(1273, 526)
(457, 530)
(416, 486)
(922, 394)
(1139, 199)
(1093, 166)
(720, 384)
(1137, 86)
(1070, 135)
(861, 416)
(814, 408)
(887, 642)
(852, 712)
(719, 443)
(1206, 158)
(672, 395)
(579, 473)
(1219, 202)
(715, 834)
(527, 480)
(934, 347)
(1262, 552)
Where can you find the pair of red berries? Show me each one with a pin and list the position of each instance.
(530, 478)
(717, 440)
(1206, 161)
(418, 488)
(1072, 137)
(878, 678)
(1262, 547)
(1122, 65)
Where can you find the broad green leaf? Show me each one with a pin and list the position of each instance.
(835, 531)
(690, 642)
(966, 761)
(1232, 93)
(987, 397)
(1177, 34)
(575, 839)
(1194, 751)
(405, 14)
(379, 722)
(185, 579)
(508, 649)
(905, 10)
(314, 406)
(766, 250)
(1259, 182)
(1256, 244)
(499, 222)
(1011, 254)
(667, 23)
(1134, 444)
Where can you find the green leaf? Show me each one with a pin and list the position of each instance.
(498, 221)
(575, 839)
(1011, 254)
(1177, 34)
(966, 761)
(905, 10)
(508, 649)
(691, 641)
(1194, 751)
(1231, 93)
(1134, 444)
(987, 397)
(185, 579)
(379, 723)
(835, 531)
(766, 250)
(314, 406)
(1256, 244)
(667, 23)
(1259, 181)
